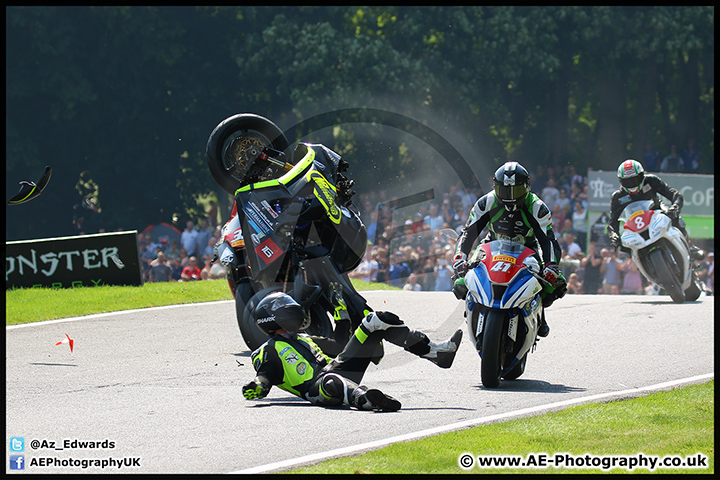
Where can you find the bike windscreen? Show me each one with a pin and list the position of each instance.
(631, 208)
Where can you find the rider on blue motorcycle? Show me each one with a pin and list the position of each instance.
(512, 212)
(636, 185)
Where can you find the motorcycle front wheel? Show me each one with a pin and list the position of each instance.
(665, 277)
(230, 145)
(493, 348)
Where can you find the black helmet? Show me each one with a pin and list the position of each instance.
(279, 310)
(512, 184)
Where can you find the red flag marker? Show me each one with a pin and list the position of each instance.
(67, 340)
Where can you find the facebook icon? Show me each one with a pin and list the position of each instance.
(17, 462)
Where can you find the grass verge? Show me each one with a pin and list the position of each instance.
(678, 423)
(26, 305)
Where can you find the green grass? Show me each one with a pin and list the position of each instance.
(677, 422)
(27, 305)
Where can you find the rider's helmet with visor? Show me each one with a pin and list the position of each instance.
(511, 184)
(631, 175)
(279, 310)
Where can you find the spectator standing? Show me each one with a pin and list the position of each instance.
(691, 157)
(651, 158)
(610, 271)
(592, 263)
(160, 271)
(550, 194)
(443, 273)
(204, 235)
(172, 252)
(188, 239)
(632, 278)
(673, 162)
(580, 223)
(192, 271)
(434, 218)
(398, 270)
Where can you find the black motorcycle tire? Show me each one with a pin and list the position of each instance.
(693, 292)
(665, 277)
(320, 323)
(262, 129)
(493, 348)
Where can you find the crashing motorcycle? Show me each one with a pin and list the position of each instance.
(503, 307)
(659, 250)
(293, 227)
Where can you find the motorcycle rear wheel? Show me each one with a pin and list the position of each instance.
(493, 348)
(258, 133)
(665, 276)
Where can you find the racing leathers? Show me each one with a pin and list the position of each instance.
(299, 365)
(653, 186)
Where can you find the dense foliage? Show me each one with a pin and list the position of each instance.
(120, 100)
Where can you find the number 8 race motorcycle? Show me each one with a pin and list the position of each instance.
(293, 227)
(659, 250)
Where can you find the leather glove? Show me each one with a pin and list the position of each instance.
(615, 239)
(460, 264)
(254, 390)
(674, 212)
(552, 274)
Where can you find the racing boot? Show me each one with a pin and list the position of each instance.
(543, 328)
(441, 354)
(363, 398)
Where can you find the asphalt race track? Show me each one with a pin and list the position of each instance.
(160, 388)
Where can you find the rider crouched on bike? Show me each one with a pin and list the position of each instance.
(512, 212)
(636, 185)
(304, 365)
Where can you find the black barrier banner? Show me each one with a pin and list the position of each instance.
(86, 260)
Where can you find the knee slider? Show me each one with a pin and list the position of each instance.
(333, 388)
(417, 343)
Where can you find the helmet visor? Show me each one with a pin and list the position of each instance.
(632, 183)
(511, 192)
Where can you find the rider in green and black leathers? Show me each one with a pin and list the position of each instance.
(512, 212)
(302, 365)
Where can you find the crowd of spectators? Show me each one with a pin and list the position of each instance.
(406, 248)
(408, 251)
(186, 260)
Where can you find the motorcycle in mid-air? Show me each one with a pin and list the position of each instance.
(659, 250)
(503, 306)
(293, 226)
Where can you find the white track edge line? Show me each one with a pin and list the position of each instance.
(339, 452)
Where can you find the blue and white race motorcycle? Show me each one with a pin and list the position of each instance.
(503, 308)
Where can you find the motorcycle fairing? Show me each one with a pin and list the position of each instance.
(643, 230)
(502, 265)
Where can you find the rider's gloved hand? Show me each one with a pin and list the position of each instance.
(460, 264)
(552, 274)
(674, 212)
(615, 239)
(254, 390)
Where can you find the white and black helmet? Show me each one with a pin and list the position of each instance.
(279, 311)
(512, 184)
